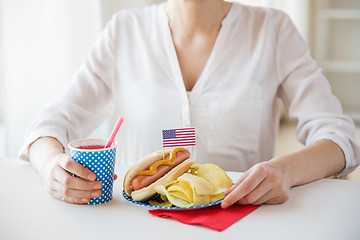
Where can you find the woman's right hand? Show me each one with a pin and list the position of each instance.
(57, 170)
(60, 182)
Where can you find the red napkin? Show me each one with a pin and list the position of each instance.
(212, 217)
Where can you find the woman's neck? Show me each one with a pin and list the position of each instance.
(191, 18)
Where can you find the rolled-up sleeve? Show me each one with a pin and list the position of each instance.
(307, 96)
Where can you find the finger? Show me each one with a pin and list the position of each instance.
(266, 197)
(76, 168)
(278, 200)
(273, 197)
(243, 189)
(69, 181)
(240, 180)
(262, 189)
(279, 192)
(74, 193)
(59, 196)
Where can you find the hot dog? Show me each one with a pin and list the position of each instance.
(142, 181)
(153, 170)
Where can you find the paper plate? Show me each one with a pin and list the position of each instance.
(157, 197)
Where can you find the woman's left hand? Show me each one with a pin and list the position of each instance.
(265, 182)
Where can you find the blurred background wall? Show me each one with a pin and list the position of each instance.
(334, 40)
(42, 44)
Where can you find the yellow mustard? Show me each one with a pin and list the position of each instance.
(171, 161)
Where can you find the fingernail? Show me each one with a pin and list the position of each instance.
(96, 194)
(98, 186)
(92, 177)
(84, 200)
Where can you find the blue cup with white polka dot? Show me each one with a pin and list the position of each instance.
(101, 161)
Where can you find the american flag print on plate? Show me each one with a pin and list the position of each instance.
(179, 137)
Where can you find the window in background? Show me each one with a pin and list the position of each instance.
(335, 42)
(44, 43)
(2, 99)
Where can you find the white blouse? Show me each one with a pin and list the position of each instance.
(259, 59)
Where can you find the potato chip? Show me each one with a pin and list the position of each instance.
(201, 185)
(180, 195)
(170, 183)
(201, 199)
(205, 184)
(175, 201)
(160, 204)
(214, 174)
(164, 198)
(217, 197)
(181, 188)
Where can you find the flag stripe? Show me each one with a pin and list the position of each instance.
(182, 139)
(178, 145)
(180, 142)
(179, 137)
(189, 141)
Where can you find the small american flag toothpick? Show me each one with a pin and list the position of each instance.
(179, 137)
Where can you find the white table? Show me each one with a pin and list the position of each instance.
(326, 209)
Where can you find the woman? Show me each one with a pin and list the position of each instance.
(220, 67)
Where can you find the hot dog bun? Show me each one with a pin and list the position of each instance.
(143, 164)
